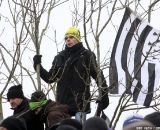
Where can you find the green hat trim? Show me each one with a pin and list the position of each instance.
(35, 105)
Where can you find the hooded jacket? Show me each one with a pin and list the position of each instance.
(52, 113)
(72, 69)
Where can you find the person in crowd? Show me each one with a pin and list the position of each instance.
(154, 118)
(64, 127)
(71, 122)
(140, 125)
(68, 124)
(137, 121)
(132, 119)
(72, 69)
(51, 113)
(20, 106)
(95, 123)
(17, 100)
(13, 123)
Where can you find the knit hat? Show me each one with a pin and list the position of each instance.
(95, 123)
(154, 118)
(15, 92)
(72, 122)
(132, 119)
(38, 96)
(140, 125)
(13, 123)
(72, 31)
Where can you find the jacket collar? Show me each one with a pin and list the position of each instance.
(75, 48)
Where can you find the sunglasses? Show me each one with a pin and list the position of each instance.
(68, 37)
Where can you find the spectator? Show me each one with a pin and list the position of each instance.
(17, 99)
(51, 113)
(154, 118)
(68, 124)
(72, 122)
(95, 123)
(132, 119)
(65, 127)
(20, 105)
(72, 69)
(12, 123)
(140, 125)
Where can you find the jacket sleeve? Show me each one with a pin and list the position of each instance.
(97, 75)
(53, 74)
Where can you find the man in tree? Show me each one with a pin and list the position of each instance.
(20, 104)
(72, 69)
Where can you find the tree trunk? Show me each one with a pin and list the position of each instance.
(1, 109)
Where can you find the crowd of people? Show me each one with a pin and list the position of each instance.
(149, 122)
(72, 70)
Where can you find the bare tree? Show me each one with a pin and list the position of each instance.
(34, 10)
(94, 25)
(25, 22)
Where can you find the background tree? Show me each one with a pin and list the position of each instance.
(95, 23)
(24, 20)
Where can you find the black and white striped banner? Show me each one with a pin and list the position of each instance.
(135, 59)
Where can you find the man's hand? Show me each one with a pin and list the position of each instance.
(37, 59)
(103, 103)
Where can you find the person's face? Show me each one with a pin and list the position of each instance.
(2, 128)
(14, 102)
(38, 110)
(70, 41)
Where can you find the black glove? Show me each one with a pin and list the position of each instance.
(37, 59)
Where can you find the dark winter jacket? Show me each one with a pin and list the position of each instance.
(32, 121)
(72, 69)
(53, 113)
(22, 107)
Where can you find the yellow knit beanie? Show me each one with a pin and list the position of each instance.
(72, 31)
